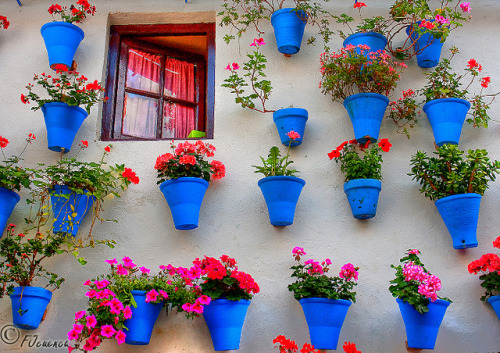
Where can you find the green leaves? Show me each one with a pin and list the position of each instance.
(275, 164)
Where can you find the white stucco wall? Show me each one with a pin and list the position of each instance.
(234, 217)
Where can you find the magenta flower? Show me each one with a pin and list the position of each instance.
(107, 331)
(151, 296)
(465, 7)
(164, 294)
(144, 270)
(236, 66)
(413, 251)
(127, 262)
(127, 312)
(121, 271)
(73, 335)
(228, 67)
(102, 284)
(78, 328)
(120, 337)
(111, 262)
(257, 42)
(87, 282)
(348, 271)
(91, 321)
(298, 251)
(441, 20)
(204, 300)
(91, 293)
(79, 315)
(293, 135)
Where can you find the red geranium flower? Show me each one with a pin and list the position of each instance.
(358, 5)
(385, 145)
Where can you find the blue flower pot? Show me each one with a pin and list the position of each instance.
(140, 325)
(61, 40)
(32, 301)
(460, 213)
(422, 329)
(289, 119)
(495, 303)
(225, 320)
(64, 204)
(325, 318)
(288, 27)
(427, 47)
(184, 197)
(362, 195)
(374, 40)
(366, 111)
(62, 123)
(447, 116)
(8, 200)
(281, 194)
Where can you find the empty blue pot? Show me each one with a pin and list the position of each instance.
(460, 214)
(289, 119)
(288, 27)
(62, 123)
(447, 116)
(225, 320)
(66, 202)
(430, 54)
(366, 111)
(325, 318)
(374, 40)
(8, 200)
(140, 325)
(495, 303)
(422, 329)
(32, 302)
(362, 195)
(61, 40)
(184, 197)
(281, 194)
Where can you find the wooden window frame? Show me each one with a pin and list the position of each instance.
(114, 88)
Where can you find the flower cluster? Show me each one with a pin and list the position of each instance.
(222, 279)
(357, 70)
(75, 13)
(67, 87)
(275, 164)
(4, 22)
(12, 176)
(414, 284)
(286, 345)
(350, 347)
(312, 279)
(489, 265)
(187, 160)
(359, 160)
(403, 111)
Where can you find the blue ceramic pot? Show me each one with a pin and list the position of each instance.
(289, 119)
(62, 123)
(374, 40)
(32, 302)
(422, 329)
(66, 202)
(460, 214)
(427, 47)
(362, 195)
(366, 111)
(281, 194)
(495, 303)
(225, 320)
(140, 325)
(8, 200)
(325, 318)
(447, 116)
(61, 40)
(288, 27)
(184, 197)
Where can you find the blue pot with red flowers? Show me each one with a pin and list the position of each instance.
(290, 119)
(61, 40)
(289, 27)
(28, 306)
(422, 329)
(8, 200)
(325, 318)
(225, 320)
(366, 111)
(362, 195)
(184, 197)
(427, 47)
(144, 315)
(69, 208)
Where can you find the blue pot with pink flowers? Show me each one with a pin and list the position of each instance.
(427, 47)
(374, 40)
(140, 325)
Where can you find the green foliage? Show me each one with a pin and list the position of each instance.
(403, 112)
(453, 172)
(275, 164)
(12, 176)
(376, 24)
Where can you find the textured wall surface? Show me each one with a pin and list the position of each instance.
(234, 217)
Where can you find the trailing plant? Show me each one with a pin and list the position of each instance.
(452, 171)
(403, 112)
(275, 164)
(242, 14)
(12, 176)
(66, 87)
(359, 161)
(75, 13)
(313, 281)
(187, 160)
(489, 266)
(375, 24)
(221, 279)
(414, 284)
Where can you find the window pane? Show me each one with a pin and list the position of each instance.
(143, 71)
(139, 116)
(179, 79)
(178, 120)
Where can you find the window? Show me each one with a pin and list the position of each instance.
(160, 82)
